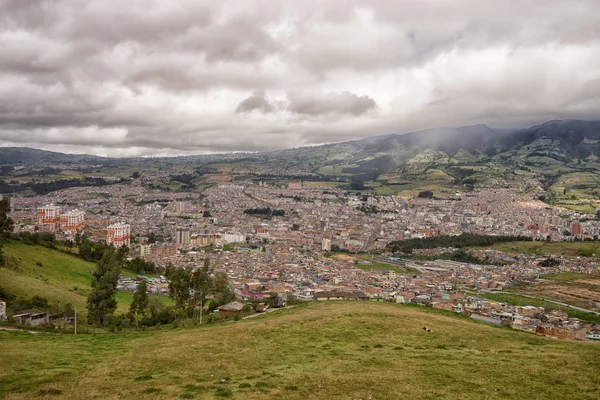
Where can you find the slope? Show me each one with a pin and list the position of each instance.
(330, 350)
(52, 274)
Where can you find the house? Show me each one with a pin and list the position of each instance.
(32, 317)
(230, 309)
(593, 335)
(2, 310)
(278, 302)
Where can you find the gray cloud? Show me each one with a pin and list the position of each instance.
(256, 102)
(168, 77)
(331, 103)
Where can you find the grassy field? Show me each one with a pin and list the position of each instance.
(364, 262)
(330, 350)
(517, 300)
(558, 249)
(59, 276)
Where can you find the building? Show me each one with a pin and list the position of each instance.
(230, 309)
(233, 238)
(2, 310)
(577, 229)
(32, 317)
(72, 221)
(180, 206)
(295, 185)
(326, 245)
(182, 236)
(205, 239)
(48, 217)
(145, 250)
(164, 250)
(118, 234)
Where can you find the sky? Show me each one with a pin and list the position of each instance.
(155, 77)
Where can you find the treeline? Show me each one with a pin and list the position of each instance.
(265, 211)
(42, 188)
(94, 251)
(464, 240)
(193, 292)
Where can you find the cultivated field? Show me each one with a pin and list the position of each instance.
(330, 350)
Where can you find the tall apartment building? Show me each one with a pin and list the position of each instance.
(326, 244)
(577, 229)
(48, 217)
(182, 236)
(204, 239)
(118, 234)
(72, 221)
(295, 185)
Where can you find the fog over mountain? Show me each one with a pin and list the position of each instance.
(151, 77)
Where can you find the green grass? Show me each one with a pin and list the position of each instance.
(329, 350)
(60, 275)
(558, 249)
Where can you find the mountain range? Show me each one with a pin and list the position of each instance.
(556, 156)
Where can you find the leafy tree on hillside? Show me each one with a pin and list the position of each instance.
(190, 289)
(221, 289)
(200, 285)
(102, 302)
(179, 285)
(140, 302)
(6, 225)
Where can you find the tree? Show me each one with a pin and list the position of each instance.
(222, 291)
(6, 225)
(179, 285)
(102, 302)
(200, 285)
(140, 302)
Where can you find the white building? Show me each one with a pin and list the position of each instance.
(233, 238)
(118, 234)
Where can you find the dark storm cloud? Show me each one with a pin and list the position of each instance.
(153, 76)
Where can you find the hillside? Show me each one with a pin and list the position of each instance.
(560, 158)
(332, 350)
(60, 275)
(26, 155)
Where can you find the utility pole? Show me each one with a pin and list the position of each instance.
(75, 322)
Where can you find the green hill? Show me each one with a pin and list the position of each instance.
(330, 350)
(51, 274)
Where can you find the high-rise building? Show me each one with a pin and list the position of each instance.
(48, 217)
(295, 185)
(72, 221)
(118, 234)
(180, 206)
(326, 245)
(577, 229)
(182, 236)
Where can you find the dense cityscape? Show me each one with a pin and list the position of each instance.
(317, 242)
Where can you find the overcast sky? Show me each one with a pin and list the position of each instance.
(158, 77)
